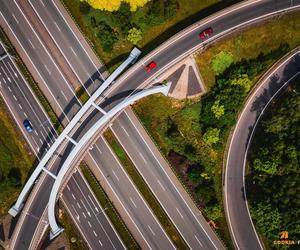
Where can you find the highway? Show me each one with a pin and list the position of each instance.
(112, 173)
(190, 41)
(163, 183)
(39, 203)
(235, 202)
(15, 93)
(23, 104)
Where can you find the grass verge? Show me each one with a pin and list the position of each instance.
(82, 95)
(74, 237)
(145, 191)
(16, 160)
(178, 126)
(110, 210)
(33, 85)
(188, 12)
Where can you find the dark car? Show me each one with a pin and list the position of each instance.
(150, 66)
(28, 125)
(206, 33)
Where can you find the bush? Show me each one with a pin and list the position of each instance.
(134, 35)
(107, 37)
(211, 136)
(221, 62)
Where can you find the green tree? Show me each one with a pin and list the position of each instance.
(212, 136)
(107, 37)
(217, 109)
(268, 219)
(214, 212)
(194, 175)
(221, 62)
(244, 81)
(84, 8)
(134, 35)
(268, 167)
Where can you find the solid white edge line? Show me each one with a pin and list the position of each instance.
(229, 149)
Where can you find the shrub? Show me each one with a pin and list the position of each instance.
(221, 62)
(134, 35)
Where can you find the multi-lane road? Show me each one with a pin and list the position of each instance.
(169, 53)
(235, 191)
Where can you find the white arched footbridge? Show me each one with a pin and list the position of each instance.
(64, 135)
(79, 146)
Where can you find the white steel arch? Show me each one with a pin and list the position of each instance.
(55, 229)
(15, 209)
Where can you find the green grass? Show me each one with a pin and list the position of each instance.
(33, 85)
(189, 12)
(145, 191)
(248, 44)
(72, 233)
(82, 95)
(16, 160)
(110, 210)
(157, 112)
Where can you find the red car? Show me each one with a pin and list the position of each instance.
(206, 33)
(150, 66)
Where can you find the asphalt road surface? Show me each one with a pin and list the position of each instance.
(113, 174)
(154, 169)
(175, 49)
(234, 191)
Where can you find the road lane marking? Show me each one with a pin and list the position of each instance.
(90, 224)
(151, 230)
(73, 50)
(43, 3)
(198, 240)
(20, 106)
(132, 202)
(15, 97)
(98, 148)
(36, 132)
(100, 243)
(125, 131)
(15, 18)
(73, 196)
(31, 43)
(95, 233)
(142, 157)
(49, 72)
(25, 114)
(115, 175)
(179, 212)
(64, 95)
(68, 187)
(57, 26)
(161, 185)
(78, 205)
(88, 212)
(41, 141)
(83, 214)
(4, 80)
(9, 88)
(93, 203)
(77, 215)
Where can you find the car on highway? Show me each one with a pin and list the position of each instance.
(28, 125)
(206, 33)
(151, 66)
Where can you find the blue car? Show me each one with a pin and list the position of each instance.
(28, 125)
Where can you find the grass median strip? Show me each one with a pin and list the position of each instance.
(33, 85)
(145, 191)
(110, 210)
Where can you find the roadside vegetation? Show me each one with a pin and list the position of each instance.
(75, 239)
(110, 210)
(16, 160)
(33, 85)
(273, 176)
(192, 134)
(112, 34)
(145, 191)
